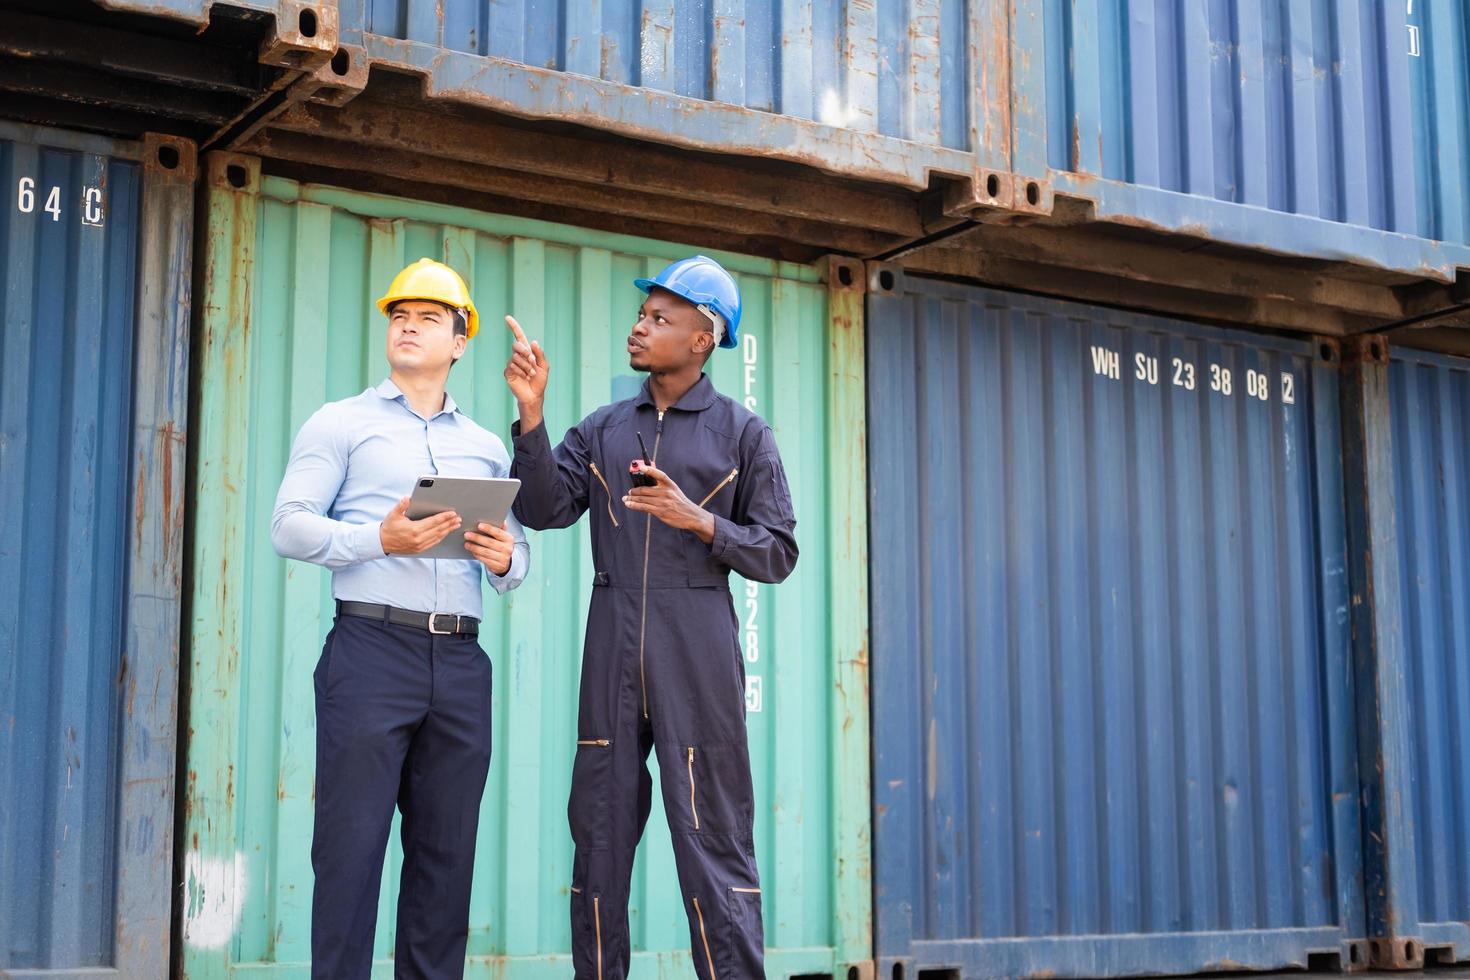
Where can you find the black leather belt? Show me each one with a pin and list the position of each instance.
(440, 624)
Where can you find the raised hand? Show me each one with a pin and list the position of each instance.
(527, 371)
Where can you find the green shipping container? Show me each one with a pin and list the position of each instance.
(287, 324)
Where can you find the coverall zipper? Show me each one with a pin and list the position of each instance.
(647, 541)
(705, 937)
(692, 808)
(723, 484)
(597, 924)
(598, 473)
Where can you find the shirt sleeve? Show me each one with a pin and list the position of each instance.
(759, 538)
(300, 527)
(553, 481)
(520, 561)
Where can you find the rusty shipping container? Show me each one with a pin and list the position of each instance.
(290, 270)
(94, 265)
(1407, 413)
(1333, 131)
(1113, 723)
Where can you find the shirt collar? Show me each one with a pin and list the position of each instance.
(390, 391)
(696, 399)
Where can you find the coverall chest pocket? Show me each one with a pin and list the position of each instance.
(602, 494)
(718, 499)
(713, 488)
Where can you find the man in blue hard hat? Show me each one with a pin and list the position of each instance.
(662, 668)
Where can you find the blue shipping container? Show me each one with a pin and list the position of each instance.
(94, 258)
(1429, 403)
(1112, 716)
(1331, 129)
(1328, 129)
(885, 91)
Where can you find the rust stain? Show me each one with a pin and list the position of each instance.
(139, 504)
(168, 437)
(132, 689)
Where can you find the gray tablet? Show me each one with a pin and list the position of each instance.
(476, 499)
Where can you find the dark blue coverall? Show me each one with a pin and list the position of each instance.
(662, 666)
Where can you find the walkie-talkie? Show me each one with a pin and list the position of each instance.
(635, 468)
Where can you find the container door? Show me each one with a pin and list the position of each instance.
(1429, 404)
(94, 265)
(1111, 708)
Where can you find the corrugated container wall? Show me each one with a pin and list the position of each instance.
(886, 90)
(1353, 113)
(1430, 408)
(1113, 726)
(291, 271)
(1331, 129)
(94, 301)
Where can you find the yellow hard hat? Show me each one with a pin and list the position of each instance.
(434, 281)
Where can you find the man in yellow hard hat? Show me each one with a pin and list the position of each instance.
(402, 687)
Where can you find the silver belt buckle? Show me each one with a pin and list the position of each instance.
(434, 616)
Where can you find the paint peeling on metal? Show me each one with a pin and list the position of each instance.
(215, 895)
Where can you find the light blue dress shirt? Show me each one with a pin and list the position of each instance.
(350, 465)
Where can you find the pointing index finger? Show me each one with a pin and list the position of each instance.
(516, 329)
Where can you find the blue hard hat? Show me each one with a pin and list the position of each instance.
(704, 282)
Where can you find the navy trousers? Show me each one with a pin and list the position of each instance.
(403, 717)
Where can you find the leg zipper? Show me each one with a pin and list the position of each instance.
(705, 937)
(692, 808)
(597, 924)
